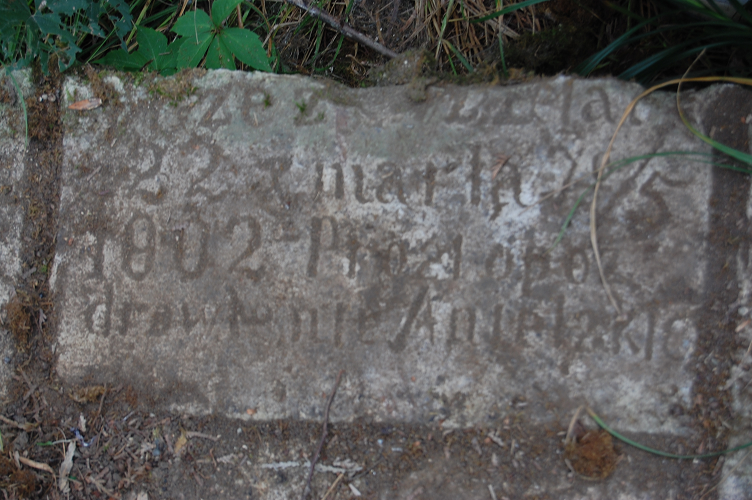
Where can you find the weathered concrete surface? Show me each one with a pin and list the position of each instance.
(234, 250)
(12, 147)
(738, 466)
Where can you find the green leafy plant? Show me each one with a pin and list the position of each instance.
(200, 37)
(153, 54)
(203, 35)
(45, 28)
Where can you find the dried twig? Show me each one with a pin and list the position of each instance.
(101, 402)
(27, 427)
(343, 28)
(334, 485)
(492, 492)
(593, 233)
(570, 430)
(323, 435)
(192, 434)
(726, 476)
(99, 485)
(36, 465)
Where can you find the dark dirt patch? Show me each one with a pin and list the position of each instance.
(718, 341)
(592, 454)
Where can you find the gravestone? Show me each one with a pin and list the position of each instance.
(233, 246)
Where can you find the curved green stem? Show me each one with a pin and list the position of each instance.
(658, 452)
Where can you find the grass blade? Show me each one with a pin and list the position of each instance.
(592, 62)
(736, 154)
(507, 10)
(444, 21)
(459, 55)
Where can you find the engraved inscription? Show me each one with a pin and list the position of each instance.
(247, 259)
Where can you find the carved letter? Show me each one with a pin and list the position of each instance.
(253, 237)
(313, 324)
(400, 341)
(430, 176)
(314, 253)
(358, 172)
(391, 181)
(454, 319)
(138, 254)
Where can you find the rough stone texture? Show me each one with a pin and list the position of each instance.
(12, 147)
(233, 250)
(738, 466)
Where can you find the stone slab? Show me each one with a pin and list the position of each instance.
(12, 150)
(737, 466)
(231, 248)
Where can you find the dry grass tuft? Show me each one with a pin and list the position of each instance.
(442, 27)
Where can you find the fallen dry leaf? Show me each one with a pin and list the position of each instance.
(86, 104)
(180, 443)
(36, 465)
(66, 467)
(87, 394)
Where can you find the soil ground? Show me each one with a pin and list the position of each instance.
(176, 456)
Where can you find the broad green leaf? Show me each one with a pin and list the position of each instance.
(122, 60)
(247, 47)
(191, 53)
(65, 47)
(219, 56)
(152, 45)
(221, 9)
(50, 24)
(169, 62)
(192, 24)
(93, 12)
(68, 59)
(65, 7)
(94, 29)
(122, 23)
(12, 13)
